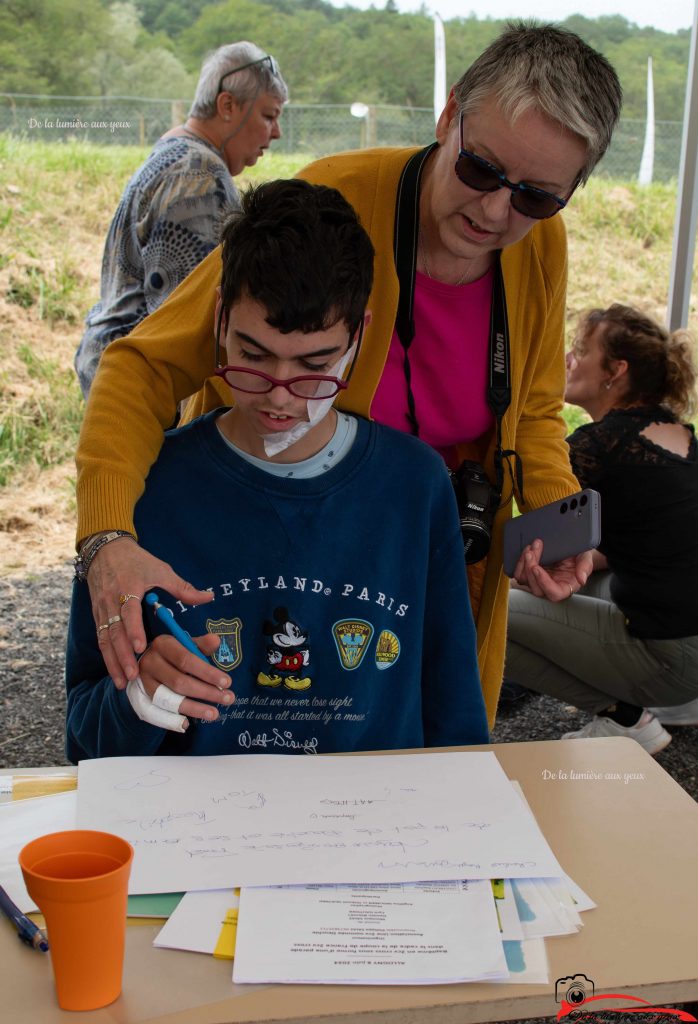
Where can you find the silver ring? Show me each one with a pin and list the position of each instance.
(113, 619)
(571, 591)
(104, 625)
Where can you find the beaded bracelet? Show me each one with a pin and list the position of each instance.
(83, 560)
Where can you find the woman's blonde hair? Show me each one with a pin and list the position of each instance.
(546, 68)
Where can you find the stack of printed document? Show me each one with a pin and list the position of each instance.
(403, 933)
(373, 869)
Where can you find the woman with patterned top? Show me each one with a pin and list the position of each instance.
(629, 640)
(170, 214)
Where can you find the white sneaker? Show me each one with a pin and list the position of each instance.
(648, 731)
(679, 714)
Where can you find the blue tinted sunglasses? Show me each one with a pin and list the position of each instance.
(482, 176)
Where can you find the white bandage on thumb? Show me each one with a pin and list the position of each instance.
(161, 710)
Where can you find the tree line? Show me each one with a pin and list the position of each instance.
(154, 48)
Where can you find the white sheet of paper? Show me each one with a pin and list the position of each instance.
(225, 821)
(581, 901)
(559, 900)
(408, 934)
(24, 820)
(196, 922)
(579, 897)
(538, 919)
(527, 962)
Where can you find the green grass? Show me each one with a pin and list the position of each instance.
(57, 296)
(574, 417)
(42, 429)
(605, 207)
(90, 162)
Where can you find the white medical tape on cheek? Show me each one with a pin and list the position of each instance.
(149, 712)
(274, 444)
(167, 699)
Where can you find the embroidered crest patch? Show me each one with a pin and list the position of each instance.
(229, 653)
(352, 637)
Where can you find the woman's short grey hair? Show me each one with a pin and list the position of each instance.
(243, 85)
(552, 70)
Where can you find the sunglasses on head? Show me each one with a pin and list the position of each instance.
(483, 176)
(266, 59)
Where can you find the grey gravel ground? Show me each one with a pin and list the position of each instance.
(32, 703)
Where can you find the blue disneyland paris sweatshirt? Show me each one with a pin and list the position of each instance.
(341, 602)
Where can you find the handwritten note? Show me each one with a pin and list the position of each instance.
(215, 822)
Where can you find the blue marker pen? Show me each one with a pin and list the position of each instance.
(27, 931)
(172, 626)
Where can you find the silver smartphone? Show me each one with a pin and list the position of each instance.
(566, 527)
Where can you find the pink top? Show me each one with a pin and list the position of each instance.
(448, 359)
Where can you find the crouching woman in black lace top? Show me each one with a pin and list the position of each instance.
(626, 647)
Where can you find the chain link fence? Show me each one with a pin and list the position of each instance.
(312, 130)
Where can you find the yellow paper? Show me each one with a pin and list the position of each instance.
(225, 947)
(25, 786)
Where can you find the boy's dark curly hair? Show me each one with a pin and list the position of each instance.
(299, 250)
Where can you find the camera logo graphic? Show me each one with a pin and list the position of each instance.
(573, 990)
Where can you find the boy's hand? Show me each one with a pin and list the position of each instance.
(117, 570)
(167, 663)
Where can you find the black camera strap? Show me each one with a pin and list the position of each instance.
(499, 381)
(405, 247)
(405, 243)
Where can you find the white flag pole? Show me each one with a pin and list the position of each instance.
(647, 162)
(687, 201)
(439, 66)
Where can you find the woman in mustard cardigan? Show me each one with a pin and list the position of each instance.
(523, 127)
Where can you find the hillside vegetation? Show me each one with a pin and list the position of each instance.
(56, 202)
(328, 54)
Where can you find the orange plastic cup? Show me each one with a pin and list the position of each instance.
(79, 881)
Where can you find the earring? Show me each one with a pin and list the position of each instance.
(608, 385)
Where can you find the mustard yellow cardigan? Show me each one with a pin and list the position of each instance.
(170, 356)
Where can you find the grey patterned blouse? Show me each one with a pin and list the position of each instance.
(168, 219)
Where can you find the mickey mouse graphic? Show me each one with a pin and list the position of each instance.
(287, 654)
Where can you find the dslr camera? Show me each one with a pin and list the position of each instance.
(477, 502)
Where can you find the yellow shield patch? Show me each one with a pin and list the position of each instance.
(387, 649)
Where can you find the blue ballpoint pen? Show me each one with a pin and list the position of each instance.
(172, 626)
(27, 931)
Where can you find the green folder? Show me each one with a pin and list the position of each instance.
(158, 904)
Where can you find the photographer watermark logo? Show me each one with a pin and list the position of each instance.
(579, 1003)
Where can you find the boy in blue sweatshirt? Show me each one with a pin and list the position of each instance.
(341, 618)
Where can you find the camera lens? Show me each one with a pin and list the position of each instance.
(573, 504)
(476, 539)
(477, 503)
(583, 500)
(563, 508)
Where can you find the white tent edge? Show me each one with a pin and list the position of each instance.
(684, 245)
